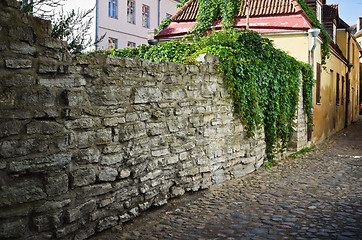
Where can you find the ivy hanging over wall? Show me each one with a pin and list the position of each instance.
(263, 81)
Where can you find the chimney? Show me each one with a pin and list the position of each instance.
(359, 24)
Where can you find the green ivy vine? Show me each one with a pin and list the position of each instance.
(263, 81)
(315, 22)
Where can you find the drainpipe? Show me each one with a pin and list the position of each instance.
(159, 12)
(97, 14)
(314, 34)
(349, 65)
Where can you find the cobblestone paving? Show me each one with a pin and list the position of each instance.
(315, 196)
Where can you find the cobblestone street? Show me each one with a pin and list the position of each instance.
(317, 195)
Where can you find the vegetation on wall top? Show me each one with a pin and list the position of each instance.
(263, 81)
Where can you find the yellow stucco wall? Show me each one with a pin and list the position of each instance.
(328, 117)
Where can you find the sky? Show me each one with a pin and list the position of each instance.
(349, 10)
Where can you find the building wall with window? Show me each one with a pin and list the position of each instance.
(131, 21)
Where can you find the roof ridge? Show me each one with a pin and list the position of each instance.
(297, 6)
(179, 12)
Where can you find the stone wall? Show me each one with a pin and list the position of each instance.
(88, 142)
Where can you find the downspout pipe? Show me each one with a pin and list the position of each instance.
(349, 65)
(159, 12)
(97, 14)
(314, 34)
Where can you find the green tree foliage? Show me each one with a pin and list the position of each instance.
(73, 27)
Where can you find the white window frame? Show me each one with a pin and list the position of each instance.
(131, 44)
(145, 16)
(112, 43)
(131, 11)
(113, 8)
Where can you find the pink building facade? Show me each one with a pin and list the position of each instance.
(125, 23)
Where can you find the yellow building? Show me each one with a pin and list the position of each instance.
(336, 92)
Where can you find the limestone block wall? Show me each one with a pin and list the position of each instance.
(88, 142)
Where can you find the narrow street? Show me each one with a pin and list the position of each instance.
(317, 195)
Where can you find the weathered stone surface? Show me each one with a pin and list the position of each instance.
(111, 159)
(24, 192)
(147, 95)
(131, 131)
(56, 184)
(82, 177)
(12, 229)
(107, 223)
(78, 212)
(107, 174)
(36, 165)
(43, 127)
(18, 63)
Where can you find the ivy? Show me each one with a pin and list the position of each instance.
(164, 23)
(210, 10)
(263, 81)
(315, 22)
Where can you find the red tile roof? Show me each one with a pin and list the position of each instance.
(257, 8)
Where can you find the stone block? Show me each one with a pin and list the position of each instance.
(50, 206)
(83, 123)
(107, 174)
(67, 81)
(108, 95)
(22, 33)
(177, 191)
(75, 98)
(242, 170)
(160, 152)
(23, 192)
(107, 223)
(17, 63)
(95, 190)
(103, 136)
(41, 164)
(38, 97)
(124, 173)
(177, 94)
(82, 176)
(111, 159)
(132, 117)
(22, 48)
(80, 211)
(10, 128)
(114, 121)
(67, 229)
(156, 128)
(43, 127)
(131, 131)
(147, 95)
(56, 184)
(12, 228)
(41, 223)
(88, 155)
(19, 80)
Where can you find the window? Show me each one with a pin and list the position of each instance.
(131, 11)
(112, 43)
(334, 33)
(342, 96)
(319, 12)
(131, 44)
(337, 90)
(112, 8)
(318, 84)
(145, 16)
